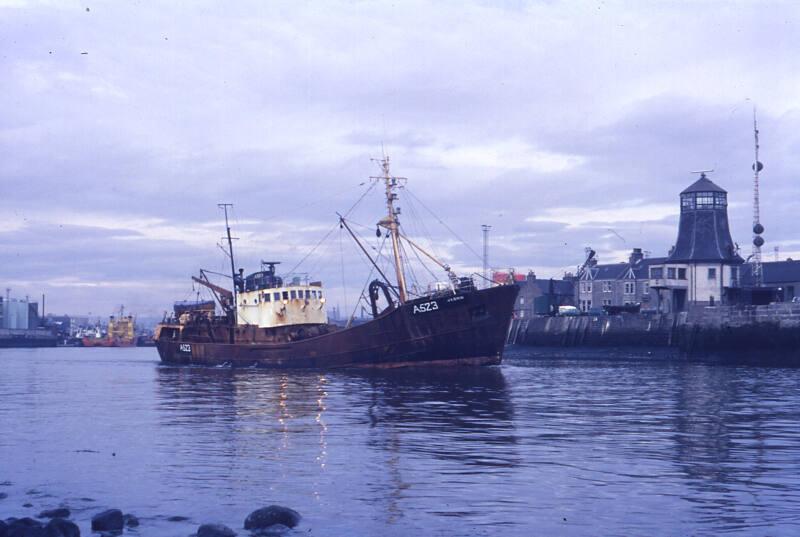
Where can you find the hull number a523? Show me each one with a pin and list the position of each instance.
(426, 307)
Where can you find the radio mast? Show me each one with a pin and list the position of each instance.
(758, 229)
(486, 229)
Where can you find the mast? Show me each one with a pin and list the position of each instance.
(392, 224)
(224, 207)
(758, 229)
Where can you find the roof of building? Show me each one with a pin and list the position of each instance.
(618, 271)
(704, 184)
(560, 287)
(774, 272)
(704, 236)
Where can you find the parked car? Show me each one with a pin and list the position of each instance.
(568, 311)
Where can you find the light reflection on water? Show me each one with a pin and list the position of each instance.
(567, 448)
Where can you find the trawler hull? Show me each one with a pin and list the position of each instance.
(465, 328)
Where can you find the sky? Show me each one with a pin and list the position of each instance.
(562, 125)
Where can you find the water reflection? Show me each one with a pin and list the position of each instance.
(532, 447)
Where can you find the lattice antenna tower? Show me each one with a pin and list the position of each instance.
(758, 229)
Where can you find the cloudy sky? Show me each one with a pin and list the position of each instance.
(560, 124)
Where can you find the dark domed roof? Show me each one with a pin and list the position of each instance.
(704, 184)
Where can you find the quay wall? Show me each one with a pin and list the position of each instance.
(757, 333)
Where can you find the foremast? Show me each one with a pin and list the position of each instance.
(392, 223)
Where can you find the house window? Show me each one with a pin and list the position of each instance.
(656, 273)
(645, 287)
(586, 287)
(630, 288)
(712, 274)
(606, 287)
(521, 300)
(711, 300)
(681, 273)
(671, 273)
(606, 301)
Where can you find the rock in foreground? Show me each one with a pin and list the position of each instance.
(58, 527)
(59, 512)
(273, 514)
(130, 520)
(215, 530)
(110, 520)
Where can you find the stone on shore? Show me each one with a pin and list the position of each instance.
(271, 515)
(58, 512)
(110, 520)
(276, 530)
(215, 530)
(25, 527)
(3, 495)
(58, 527)
(130, 520)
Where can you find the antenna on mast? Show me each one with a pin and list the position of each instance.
(224, 207)
(391, 222)
(758, 229)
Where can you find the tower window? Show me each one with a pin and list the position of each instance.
(681, 273)
(712, 274)
(671, 273)
(705, 200)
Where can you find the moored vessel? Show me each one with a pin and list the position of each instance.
(120, 333)
(269, 321)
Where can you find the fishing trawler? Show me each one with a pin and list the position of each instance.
(271, 322)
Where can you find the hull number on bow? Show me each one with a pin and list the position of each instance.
(426, 307)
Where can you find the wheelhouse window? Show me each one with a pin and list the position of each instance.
(286, 295)
(266, 297)
(308, 294)
(293, 294)
(276, 296)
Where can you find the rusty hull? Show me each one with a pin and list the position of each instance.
(467, 328)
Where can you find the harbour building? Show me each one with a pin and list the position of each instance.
(616, 284)
(704, 266)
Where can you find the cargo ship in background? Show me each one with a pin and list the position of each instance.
(269, 321)
(120, 333)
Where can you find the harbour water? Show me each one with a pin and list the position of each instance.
(565, 447)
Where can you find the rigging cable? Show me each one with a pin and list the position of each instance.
(445, 225)
(367, 191)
